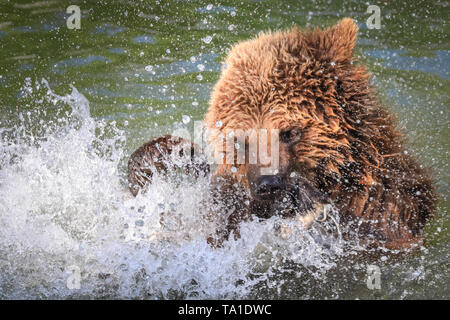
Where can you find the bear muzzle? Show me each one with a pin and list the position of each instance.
(278, 195)
(269, 186)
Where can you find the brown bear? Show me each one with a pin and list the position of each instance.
(336, 143)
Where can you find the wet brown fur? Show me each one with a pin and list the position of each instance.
(350, 147)
(155, 155)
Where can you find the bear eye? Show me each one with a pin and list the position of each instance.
(290, 135)
(285, 136)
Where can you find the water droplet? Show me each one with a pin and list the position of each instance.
(139, 223)
(186, 119)
(207, 39)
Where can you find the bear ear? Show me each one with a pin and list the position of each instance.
(335, 43)
(343, 39)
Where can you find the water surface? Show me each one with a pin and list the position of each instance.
(76, 103)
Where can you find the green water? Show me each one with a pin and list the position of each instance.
(145, 64)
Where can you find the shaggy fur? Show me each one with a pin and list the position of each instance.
(349, 149)
(158, 154)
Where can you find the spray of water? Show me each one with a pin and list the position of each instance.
(69, 227)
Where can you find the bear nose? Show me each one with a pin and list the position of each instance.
(268, 186)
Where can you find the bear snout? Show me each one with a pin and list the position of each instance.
(269, 186)
(282, 196)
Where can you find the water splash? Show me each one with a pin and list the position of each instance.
(64, 207)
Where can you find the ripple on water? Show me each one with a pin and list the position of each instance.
(117, 50)
(144, 39)
(108, 29)
(399, 60)
(60, 66)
